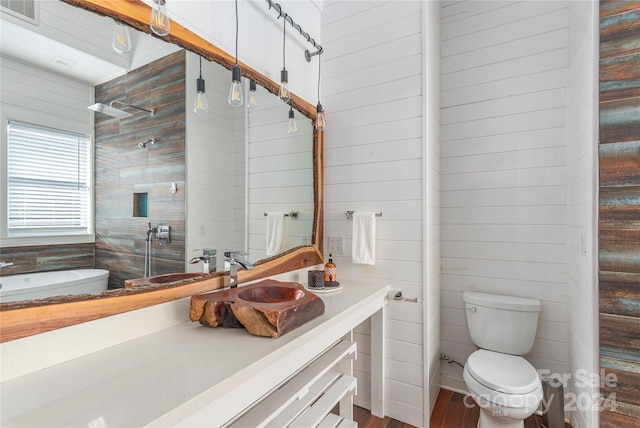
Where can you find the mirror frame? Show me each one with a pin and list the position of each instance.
(26, 318)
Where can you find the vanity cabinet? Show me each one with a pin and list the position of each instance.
(190, 375)
(307, 398)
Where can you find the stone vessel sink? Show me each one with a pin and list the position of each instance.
(167, 278)
(268, 308)
(271, 294)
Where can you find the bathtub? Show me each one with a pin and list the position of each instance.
(41, 285)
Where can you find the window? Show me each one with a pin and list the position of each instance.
(48, 181)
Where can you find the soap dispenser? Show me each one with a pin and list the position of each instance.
(330, 274)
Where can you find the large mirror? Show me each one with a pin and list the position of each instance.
(221, 211)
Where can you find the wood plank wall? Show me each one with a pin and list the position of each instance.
(619, 223)
(122, 169)
(45, 258)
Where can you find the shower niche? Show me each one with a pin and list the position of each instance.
(140, 204)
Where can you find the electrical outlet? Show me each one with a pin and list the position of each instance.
(336, 245)
(305, 240)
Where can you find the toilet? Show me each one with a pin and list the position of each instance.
(503, 384)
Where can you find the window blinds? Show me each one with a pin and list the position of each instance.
(48, 180)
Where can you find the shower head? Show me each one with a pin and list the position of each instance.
(143, 144)
(115, 112)
(108, 110)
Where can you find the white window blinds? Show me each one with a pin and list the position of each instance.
(48, 181)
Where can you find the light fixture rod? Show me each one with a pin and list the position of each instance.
(287, 17)
(308, 54)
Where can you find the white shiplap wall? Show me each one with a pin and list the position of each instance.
(40, 97)
(582, 185)
(504, 150)
(279, 173)
(372, 92)
(431, 240)
(210, 165)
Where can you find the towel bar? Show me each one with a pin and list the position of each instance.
(292, 214)
(350, 215)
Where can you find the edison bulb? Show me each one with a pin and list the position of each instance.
(292, 122)
(284, 93)
(201, 105)
(121, 41)
(160, 23)
(235, 92)
(320, 122)
(253, 99)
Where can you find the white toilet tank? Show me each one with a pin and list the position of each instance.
(502, 323)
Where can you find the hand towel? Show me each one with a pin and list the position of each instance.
(275, 233)
(363, 249)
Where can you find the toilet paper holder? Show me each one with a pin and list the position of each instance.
(397, 296)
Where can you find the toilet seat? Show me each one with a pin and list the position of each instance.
(504, 379)
(503, 372)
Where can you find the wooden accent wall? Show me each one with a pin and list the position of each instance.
(619, 224)
(45, 258)
(122, 169)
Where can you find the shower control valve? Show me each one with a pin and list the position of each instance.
(163, 234)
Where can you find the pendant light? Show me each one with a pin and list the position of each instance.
(201, 105)
(283, 93)
(320, 122)
(159, 23)
(253, 98)
(121, 41)
(235, 92)
(292, 122)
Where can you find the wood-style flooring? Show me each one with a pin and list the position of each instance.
(366, 420)
(450, 411)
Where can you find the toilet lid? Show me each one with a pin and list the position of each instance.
(506, 373)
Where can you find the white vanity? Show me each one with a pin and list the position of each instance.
(190, 375)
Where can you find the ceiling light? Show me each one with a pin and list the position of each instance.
(160, 22)
(253, 98)
(235, 92)
(121, 41)
(292, 122)
(284, 93)
(320, 122)
(201, 105)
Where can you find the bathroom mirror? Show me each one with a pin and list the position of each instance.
(27, 318)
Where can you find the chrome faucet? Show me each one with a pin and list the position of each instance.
(234, 261)
(208, 256)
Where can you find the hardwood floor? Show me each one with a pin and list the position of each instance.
(450, 411)
(366, 420)
(453, 411)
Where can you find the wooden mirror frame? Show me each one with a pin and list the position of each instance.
(22, 319)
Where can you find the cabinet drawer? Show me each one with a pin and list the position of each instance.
(306, 399)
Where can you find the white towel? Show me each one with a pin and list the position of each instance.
(275, 233)
(363, 249)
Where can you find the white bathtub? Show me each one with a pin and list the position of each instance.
(41, 285)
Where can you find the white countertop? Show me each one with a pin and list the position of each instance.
(171, 377)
